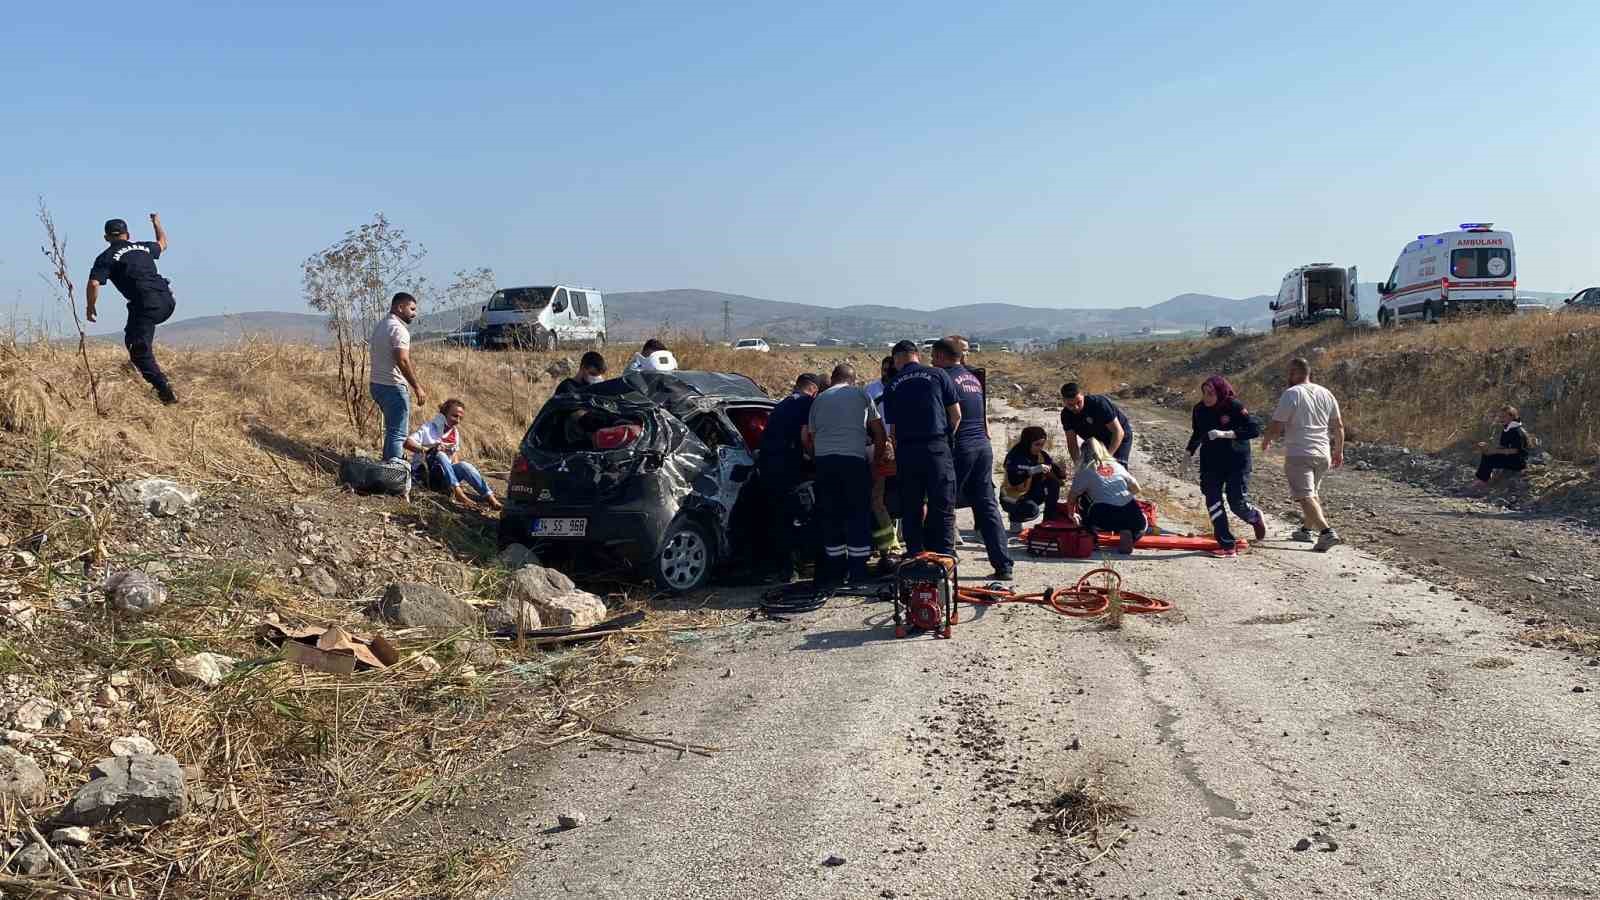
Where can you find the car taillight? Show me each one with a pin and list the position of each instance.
(519, 466)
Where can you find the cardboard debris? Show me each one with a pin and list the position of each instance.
(331, 649)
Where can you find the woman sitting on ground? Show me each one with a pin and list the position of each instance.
(1112, 491)
(1222, 430)
(1511, 455)
(434, 448)
(1033, 480)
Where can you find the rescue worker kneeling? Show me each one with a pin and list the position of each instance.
(1112, 494)
(843, 421)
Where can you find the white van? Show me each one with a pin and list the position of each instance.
(1315, 292)
(1471, 269)
(542, 318)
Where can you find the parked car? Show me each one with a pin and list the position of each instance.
(756, 345)
(542, 318)
(1221, 331)
(1586, 300)
(646, 470)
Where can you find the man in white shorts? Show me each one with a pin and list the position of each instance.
(1307, 418)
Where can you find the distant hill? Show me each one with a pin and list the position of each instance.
(633, 315)
(213, 331)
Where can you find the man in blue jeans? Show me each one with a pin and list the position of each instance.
(390, 349)
(972, 454)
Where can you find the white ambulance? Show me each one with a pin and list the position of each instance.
(1314, 292)
(1471, 269)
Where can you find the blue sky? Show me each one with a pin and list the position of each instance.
(916, 154)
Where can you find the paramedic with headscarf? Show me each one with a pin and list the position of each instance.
(1222, 430)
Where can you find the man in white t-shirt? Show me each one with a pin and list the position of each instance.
(390, 349)
(1307, 418)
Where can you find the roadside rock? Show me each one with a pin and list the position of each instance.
(21, 779)
(571, 819)
(323, 584)
(76, 836)
(561, 368)
(204, 669)
(37, 713)
(134, 592)
(158, 496)
(478, 653)
(19, 614)
(144, 789)
(558, 600)
(515, 557)
(133, 745)
(32, 861)
(412, 604)
(510, 613)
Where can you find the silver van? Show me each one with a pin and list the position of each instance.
(542, 318)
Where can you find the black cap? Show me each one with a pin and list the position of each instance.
(116, 226)
(904, 347)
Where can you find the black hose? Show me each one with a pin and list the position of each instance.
(803, 596)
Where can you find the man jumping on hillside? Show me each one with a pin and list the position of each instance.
(131, 266)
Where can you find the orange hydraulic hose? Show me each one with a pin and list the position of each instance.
(1082, 600)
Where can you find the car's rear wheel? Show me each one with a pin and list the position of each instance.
(686, 558)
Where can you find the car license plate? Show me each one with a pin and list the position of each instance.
(561, 527)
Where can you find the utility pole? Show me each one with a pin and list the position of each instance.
(727, 321)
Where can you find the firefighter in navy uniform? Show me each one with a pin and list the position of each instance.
(782, 467)
(973, 455)
(131, 266)
(924, 410)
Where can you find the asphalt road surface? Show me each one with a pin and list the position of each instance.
(1396, 729)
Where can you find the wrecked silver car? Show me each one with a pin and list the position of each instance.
(652, 470)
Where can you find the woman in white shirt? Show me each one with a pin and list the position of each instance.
(435, 448)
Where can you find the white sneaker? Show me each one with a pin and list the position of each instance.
(1303, 535)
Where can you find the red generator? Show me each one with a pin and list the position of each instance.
(925, 595)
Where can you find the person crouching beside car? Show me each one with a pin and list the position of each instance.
(1222, 430)
(1112, 492)
(1032, 485)
(435, 448)
(1511, 454)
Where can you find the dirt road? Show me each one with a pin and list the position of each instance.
(1293, 699)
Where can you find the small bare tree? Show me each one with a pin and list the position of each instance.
(352, 282)
(55, 250)
(469, 288)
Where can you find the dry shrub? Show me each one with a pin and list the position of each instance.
(24, 408)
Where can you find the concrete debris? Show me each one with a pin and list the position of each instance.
(75, 836)
(21, 779)
(158, 496)
(412, 604)
(143, 789)
(134, 592)
(204, 669)
(560, 603)
(133, 745)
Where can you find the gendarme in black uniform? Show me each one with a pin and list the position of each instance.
(131, 266)
(1095, 422)
(916, 402)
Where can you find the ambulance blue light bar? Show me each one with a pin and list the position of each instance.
(1477, 226)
